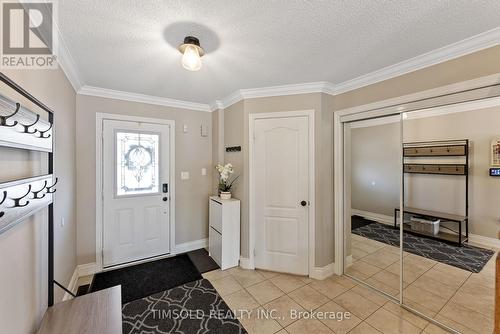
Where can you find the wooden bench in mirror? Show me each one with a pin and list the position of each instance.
(97, 312)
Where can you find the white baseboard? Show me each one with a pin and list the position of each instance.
(245, 263)
(72, 286)
(87, 269)
(487, 242)
(384, 219)
(348, 261)
(191, 245)
(322, 272)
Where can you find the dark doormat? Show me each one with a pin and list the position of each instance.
(466, 257)
(145, 279)
(192, 308)
(202, 261)
(358, 221)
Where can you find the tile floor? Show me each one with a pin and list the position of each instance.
(456, 297)
(370, 312)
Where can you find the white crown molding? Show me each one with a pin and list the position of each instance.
(473, 44)
(469, 45)
(141, 98)
(66, 62)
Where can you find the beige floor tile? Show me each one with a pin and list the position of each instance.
(288, 283)
(455, 325)
(364, 267)
(226, 285)
(418, 262)
(304, 326)
(284, 308)
(389, 279)
(357, 304)
(381, 259)
(370, 294)
(447, 279)
(247, 277)
(267, 274)
(364, 328)
(389, 323)
(435, 287)
(358, 253)
(215, 274)
(343, 280)
(308, 298)
(264, 292)
(452, 270)
(482, 280)
(328, 288)
(410, 273)
(434, 329)
(471, 319)
(344, 320)
(357, 274)
(241, 300)
(412, 318)
(420, 308)
(257, 323)
(365, 247)
(429, 300)
(382, 286)
(476, 301)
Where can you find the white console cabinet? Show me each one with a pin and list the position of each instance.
(224, 231)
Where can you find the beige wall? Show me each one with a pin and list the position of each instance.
(192, 153)
(375, 168)
(236, 132)
(23, 249)
(468, 67)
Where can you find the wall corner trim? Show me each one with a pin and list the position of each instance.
(245, 263)
(320, 273)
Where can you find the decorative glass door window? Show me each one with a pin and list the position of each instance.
(137, 169)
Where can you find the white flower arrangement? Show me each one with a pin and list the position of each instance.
(225, 172)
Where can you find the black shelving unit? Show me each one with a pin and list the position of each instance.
(23, 129)
(438, 149)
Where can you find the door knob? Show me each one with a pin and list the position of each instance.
(303, 203)
(165, 199)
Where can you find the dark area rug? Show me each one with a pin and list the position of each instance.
(202, 261)
(192, 308)
(466, 257)
(358, 221)
(145, 279)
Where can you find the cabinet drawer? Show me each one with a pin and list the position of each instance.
(216, 215)
(215, 245)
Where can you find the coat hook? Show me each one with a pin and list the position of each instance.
(49, 189)
(26, 127)
(42, 133)
(18, 199)
(3, 119)
(1, 202)
(35, 193)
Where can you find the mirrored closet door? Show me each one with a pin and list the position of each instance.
(450, 212)
(372, 184)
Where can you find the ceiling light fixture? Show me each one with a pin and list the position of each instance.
(191, 53)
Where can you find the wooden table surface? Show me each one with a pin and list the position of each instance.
(98, 312)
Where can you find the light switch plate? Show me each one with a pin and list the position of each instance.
(203, 171)
(184, 175)
(185, 128)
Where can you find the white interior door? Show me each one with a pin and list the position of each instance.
(281, 194)
(136, 160)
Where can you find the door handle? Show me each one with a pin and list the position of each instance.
(303, 203)
(165, 199)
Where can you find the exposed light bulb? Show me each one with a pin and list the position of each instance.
(191, 59)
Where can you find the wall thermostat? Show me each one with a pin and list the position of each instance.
(495, 171)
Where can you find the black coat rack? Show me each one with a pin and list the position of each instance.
(20, 199)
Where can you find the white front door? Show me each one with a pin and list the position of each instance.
(136, 160)
(281, 194)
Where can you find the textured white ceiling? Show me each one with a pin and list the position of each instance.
(130, 45)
